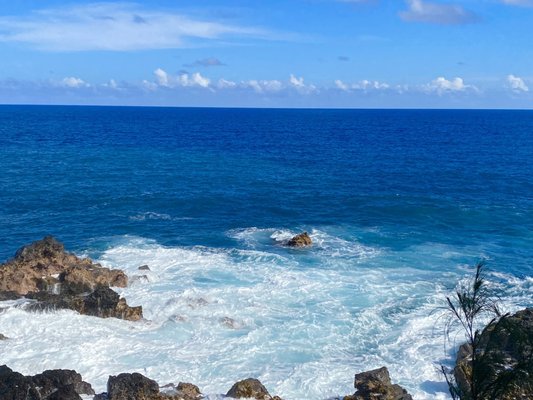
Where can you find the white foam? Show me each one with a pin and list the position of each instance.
(301, 322)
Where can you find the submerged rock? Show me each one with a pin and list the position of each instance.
(376, 384)
(505, 359)
(300, 240)
(144, 268)
(45, 272)
(250, 388)
(51, 385)
(2, 337)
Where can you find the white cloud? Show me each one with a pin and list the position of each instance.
(516, 84)
(113, 27)
(364, 85)
(442, 85)
(163, 79)
(300, 85)
(262, 86)
(436, 13)
(226, 84)
(73, 82)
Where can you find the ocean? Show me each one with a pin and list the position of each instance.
(400, 204)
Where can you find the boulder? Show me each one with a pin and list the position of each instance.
(50, 385)
(504, 359)
(103, 303)
(300, 240)
(2, 337)
(45, 266)
(132, 387)
(249, 388)
(376, 384)
(144, 268)
(183, 391)
(45, 272)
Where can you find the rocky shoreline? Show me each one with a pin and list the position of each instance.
(51, 278)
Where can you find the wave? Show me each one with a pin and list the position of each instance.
(218, 315)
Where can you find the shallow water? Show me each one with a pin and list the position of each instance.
(399, 204)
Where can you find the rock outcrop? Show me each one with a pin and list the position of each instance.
(45, 272)
(45, 266)
(51, 385)
(300, 240)
(2, 337)
(250, 388)
(376, 384)
(504, 361)
(136, 386)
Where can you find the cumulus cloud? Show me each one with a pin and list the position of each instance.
(516, 84)
(364, 85)
(436, 13)
(442, 85)
(262, 86)
(300, 85)
(163, 79)
(73, 82)
(113, 27)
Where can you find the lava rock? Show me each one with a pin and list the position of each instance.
(2, 337)
(132, 387)
(300, 240)
(249, 388)
(504, 356)
(376, 384)
(45, 266)
(144, 268)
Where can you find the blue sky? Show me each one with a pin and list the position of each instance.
(291, 53)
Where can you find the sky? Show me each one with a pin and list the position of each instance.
(276, 53)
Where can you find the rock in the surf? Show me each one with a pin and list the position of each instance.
(44, 265)
(376, 384)
(52, 384)
(301, 240)
(2, 337)
(45, 272)
(250, 388)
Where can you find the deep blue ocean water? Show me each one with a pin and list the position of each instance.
(400, 203)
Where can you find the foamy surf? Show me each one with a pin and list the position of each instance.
(301, 322)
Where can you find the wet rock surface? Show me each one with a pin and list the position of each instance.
(45, 272)
(50, 385)
(301, 240)
(250, 388)
(376, 384)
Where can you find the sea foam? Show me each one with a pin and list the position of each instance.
(303, 322)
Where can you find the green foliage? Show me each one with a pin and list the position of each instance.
(495, 363)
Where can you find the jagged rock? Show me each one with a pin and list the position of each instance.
(249, 388)
(184, 391)
(103, 303)
(376, 384)
(132, 387)
(300, 240)
(44, 264)
(504, 359)
(50, 385)
(43, 271)
(2, 337)
(144, 268)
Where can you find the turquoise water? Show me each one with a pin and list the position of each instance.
(399, 204)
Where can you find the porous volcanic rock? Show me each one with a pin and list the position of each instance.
(376, 384)
(45, 272)
(301, 240)
(136, 386)
(504, 359)
(51, 385)
(250, 388)
(44, 265)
